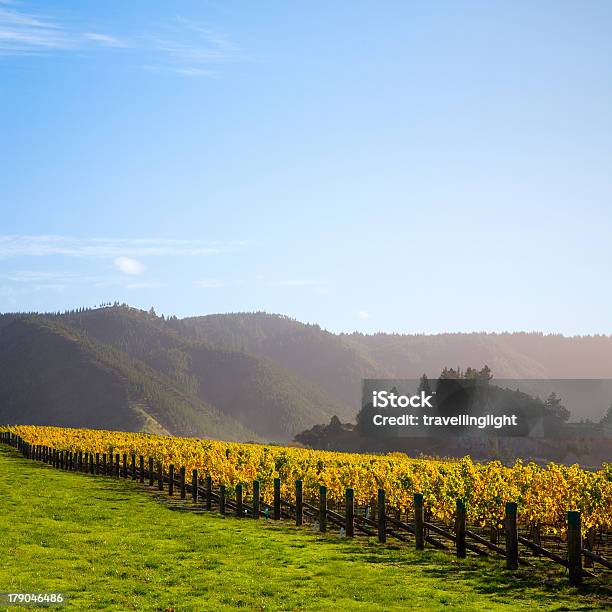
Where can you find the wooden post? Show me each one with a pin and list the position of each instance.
(97, 463)
(349, 514)
(160, 476)
(574, 548)
(277, 504)
(256, 494)
(194, 486)
(322, 508)
(171, 480)
(134, 475)
(382, 517)
(142, 469)
(299, 503)
(222, 499)
(151, 472)
(460, 529)
(92, 469)
(80, 460)
(511, 536)
(419, 520)
(125, 468)
(182, 483)
(104, 464)
(208, 492)
(86, 466)
(239, 507)
(117, 465)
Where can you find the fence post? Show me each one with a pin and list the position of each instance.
(574, 548)
(182, 482)
(151, 472)
(382, 517)
(460, 529)
(104, 464)
(222, 499)
(349, 496)
(299, 503)
(125, 468)
(142, 469)
(277, 504)
(91, 464)
(511, 536)
(208, 492)
(256, 499)
(322, 508)
(239, 507)
(117, 467)
(97, 463)
(134, 475)
(194, 486)
(171, 480)
(419, 520)
(160, 476)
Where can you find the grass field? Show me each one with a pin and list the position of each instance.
(109, 546)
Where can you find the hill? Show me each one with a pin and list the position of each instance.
(241, 376)
(51, 374)
(316, 355)
(338, 362)
(253, 390)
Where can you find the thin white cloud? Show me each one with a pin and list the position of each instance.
(35, 276)
(129, 266)
(184, 47)
(106, 40)
(46, 245)
(192, 49)
(23, 32)
(363, 314)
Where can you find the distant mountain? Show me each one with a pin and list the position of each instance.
(52, 375)
(239, 376)
(258, 393)
(338, 362)
(509, 355)
(316, 355)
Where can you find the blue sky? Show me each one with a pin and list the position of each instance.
(395, 166)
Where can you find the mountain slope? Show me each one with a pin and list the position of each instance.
(255, 391)
(509, 355)
(51, 375)
(316, 355)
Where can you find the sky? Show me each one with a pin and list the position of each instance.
(413, 167)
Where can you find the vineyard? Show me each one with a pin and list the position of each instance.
(549, 510)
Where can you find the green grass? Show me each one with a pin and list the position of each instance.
(110, 546)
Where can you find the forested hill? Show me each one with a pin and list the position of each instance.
(191, 387)
(338, 362)
(239, 376)
(52, 374)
